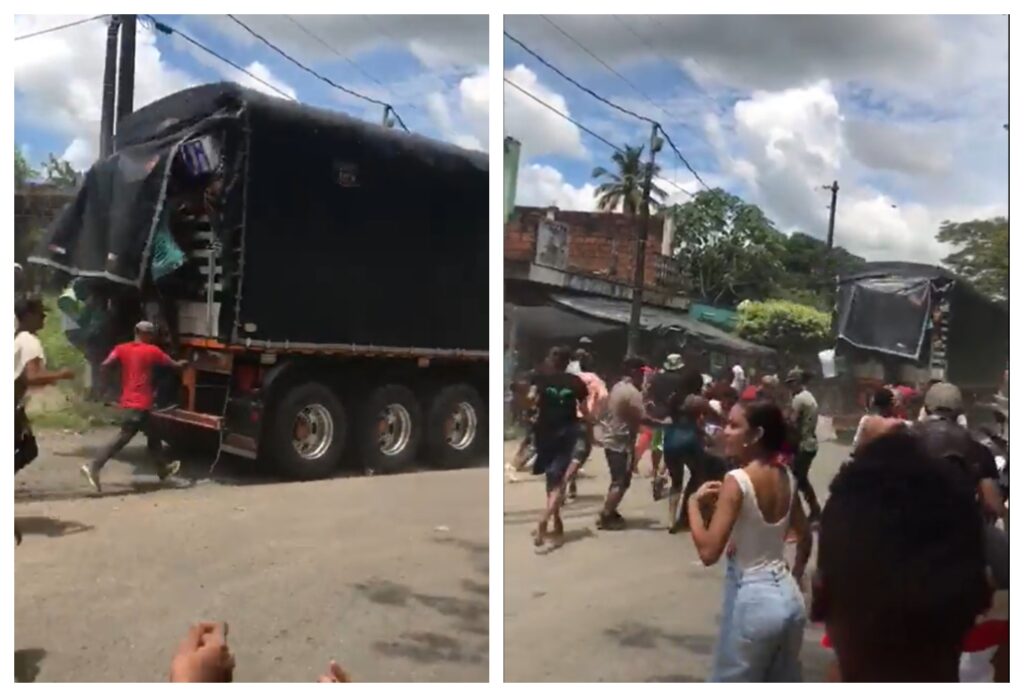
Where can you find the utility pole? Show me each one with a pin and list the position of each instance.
(126, 68)
(109, 80)
(831, 215)
(633, 337)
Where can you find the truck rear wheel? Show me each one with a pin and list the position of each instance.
(456, 426)
(390, 428)
(306, 436)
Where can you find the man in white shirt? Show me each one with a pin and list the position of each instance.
(739, 378)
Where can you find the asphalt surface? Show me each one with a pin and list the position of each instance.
(634, 605)
(386, 575)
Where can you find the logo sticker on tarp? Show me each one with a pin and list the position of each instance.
(346, 174)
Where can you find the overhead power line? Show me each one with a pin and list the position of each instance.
(586, 130)
(646, 41)
(169, 30)
(317, 75)
(366, 73)
(586, 89)
(630, 83)
(58, 28)
(610, 103)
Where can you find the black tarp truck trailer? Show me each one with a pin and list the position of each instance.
(333, 303)
(920, 320)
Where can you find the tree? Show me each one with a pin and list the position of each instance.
(983, 254)
(23, 171)
(791, 328)
(60, 173)
(729, 250)
(624, 187)
(809, 271)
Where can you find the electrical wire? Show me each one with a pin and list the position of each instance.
(308, 32)
(588, 131)
(169, 30)
(629, 82)
(650, 45)
(586, 89)
(608, 102)
(58, 28)
(317, 75)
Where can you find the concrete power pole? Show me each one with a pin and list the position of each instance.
(126, 68)
(633, 337)
(831, 215)
(109, 87)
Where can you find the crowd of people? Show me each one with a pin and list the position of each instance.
(912, 542)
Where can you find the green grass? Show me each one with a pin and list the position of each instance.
(59, 351)
(76, 414)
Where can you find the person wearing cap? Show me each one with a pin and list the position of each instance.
(581, 355)
(943, 401)
(137, 360)
(804, 410)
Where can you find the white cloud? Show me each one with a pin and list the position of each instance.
(58, 80)
(81, 153)
(791, 144)
(439, 42)
(920, 150)
(263, 73)
(540, 131)
(871, 227)
(460, 114)
(541, 185)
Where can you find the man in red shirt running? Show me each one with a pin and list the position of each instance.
(137, 359)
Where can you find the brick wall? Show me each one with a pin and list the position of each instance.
(600, 244)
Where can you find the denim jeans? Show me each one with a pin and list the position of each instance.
(762, 627)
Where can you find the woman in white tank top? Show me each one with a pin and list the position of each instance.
(763, 613)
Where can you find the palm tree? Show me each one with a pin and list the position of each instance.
(625, 187)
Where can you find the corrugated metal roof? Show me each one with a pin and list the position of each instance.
(659, 319)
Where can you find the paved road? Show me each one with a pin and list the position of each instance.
(388, 575)
(635, 605)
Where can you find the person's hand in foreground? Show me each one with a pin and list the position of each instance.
(203, 655)
(335, 673)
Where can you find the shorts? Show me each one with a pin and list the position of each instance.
(581, 452)
(554, 456)
(658, 440)
(620, 467)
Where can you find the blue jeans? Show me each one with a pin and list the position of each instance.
(762, 627)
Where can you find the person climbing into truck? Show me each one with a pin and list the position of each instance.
(137, 359)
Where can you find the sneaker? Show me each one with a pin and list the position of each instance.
(571, 495)
(658, 488)
(92, 476)
(169, 470)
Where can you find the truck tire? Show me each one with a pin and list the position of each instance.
(390, 429)
(456, 427)
(307, 431)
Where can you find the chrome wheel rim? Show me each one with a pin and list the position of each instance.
(313, 431)
(460, 426)
(394, 429)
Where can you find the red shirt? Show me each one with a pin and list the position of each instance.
(137, 360)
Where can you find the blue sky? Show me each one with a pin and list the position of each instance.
(433, 69)
(906, 112)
